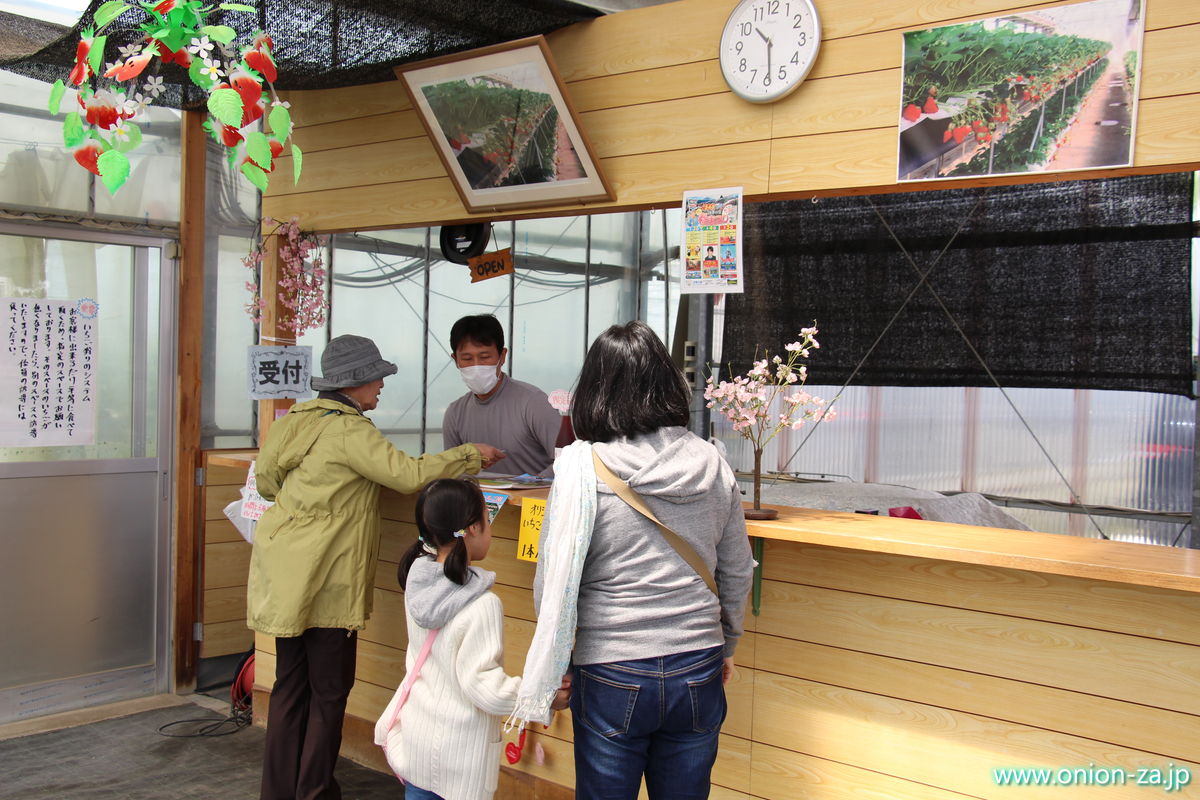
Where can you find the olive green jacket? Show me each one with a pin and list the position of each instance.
(315, 550)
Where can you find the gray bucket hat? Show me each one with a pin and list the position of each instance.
(348, 361)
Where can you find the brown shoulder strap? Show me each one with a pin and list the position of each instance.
(685, 550)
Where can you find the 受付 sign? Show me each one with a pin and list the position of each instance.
(278, 372)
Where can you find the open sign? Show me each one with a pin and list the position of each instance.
(491, 265)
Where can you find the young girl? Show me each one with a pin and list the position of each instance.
(449, 728)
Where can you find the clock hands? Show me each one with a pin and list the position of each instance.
(766, 39)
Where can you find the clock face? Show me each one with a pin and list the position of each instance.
(768, 46)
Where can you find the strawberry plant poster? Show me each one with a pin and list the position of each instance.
(711, 241)
(1043, 90)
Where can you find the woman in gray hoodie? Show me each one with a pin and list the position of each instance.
(654, 645)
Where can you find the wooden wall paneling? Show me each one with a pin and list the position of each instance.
(398, 125)
(1168, 733)
(680, 124)
(318, 106)
(1172, 62)
(396, 506)
(220, 474)
(379, 664)
(833, 161)
(391, 161)
(226, 564)
(1118, 666)
(847, 103)
(221, 530)
(225, 604)
(1137, 610)
(386, 625)
(925, 744)
(188, 359)
(226, 638)
(264, 668)
(781, 774)
(1170, 13)
(367, 700)
(693, 79)
(395, 538)
(217, 497)
(1167, 132)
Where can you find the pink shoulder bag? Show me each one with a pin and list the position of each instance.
(384, 727)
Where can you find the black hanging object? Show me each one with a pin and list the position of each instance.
(462, 242)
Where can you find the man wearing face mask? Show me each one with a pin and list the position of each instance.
(517, 416)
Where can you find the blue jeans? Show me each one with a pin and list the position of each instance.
(657, 717)
(412, 792)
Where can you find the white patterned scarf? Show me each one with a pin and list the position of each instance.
(563, 546)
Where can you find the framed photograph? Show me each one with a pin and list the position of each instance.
(501, 122)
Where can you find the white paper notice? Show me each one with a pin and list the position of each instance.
(47, 372)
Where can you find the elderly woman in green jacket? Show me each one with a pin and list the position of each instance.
(312, 571)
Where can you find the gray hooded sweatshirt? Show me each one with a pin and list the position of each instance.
(638, 598)
(432, 599)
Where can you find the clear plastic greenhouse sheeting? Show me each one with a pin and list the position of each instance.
(1124, 449)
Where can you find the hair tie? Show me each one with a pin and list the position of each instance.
(459, 534)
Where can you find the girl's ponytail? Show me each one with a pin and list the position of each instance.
(445, 509)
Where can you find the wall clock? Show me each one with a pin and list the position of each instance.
(768, 47)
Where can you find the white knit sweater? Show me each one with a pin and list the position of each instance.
(450, 741)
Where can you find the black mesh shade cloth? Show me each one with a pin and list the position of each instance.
(321, 44)
(1074, 284)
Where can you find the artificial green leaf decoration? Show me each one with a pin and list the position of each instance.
(114, 169)
(109, 11)
(219, 33)
(280, 121)
(96, 54)
(56, 96)
(175, 38)
(230, 156)
(255, 176)
(237, 7)
(258, 147)
(297, 162)
(205, 82)
(73, 130)
(132, 139)
(226, 106)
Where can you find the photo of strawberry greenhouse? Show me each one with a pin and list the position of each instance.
(503, 128)
(1047, 90)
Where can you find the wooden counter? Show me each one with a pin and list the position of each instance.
(893, 658)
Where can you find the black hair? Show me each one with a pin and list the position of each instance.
(628, 385)
(482, 329)
(443, 507)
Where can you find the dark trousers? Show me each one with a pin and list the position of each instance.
(314, 673)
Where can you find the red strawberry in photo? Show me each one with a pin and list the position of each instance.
(912, 112)
(931, 106)
(960, 133)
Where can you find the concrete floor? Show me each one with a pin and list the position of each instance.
(115, 752)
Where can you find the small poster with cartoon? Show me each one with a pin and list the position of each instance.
(712, 260)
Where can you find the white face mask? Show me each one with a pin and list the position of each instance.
(481, 378)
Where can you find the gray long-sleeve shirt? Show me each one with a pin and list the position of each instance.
(638, 598)
(517, 418)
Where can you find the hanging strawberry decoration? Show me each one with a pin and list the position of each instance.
(112, 95)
